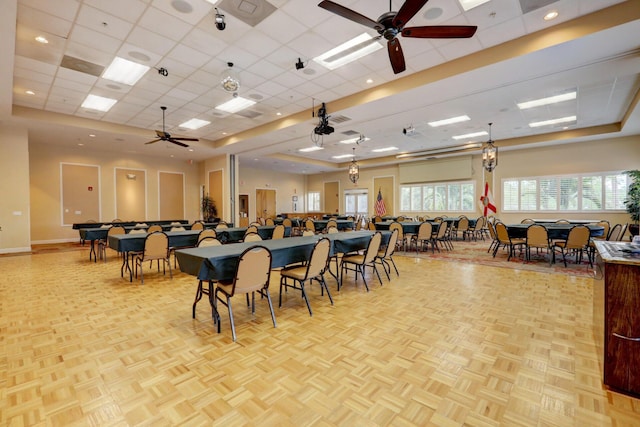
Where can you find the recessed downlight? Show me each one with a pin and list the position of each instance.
(29, 92)
(42, 39)
(552, 14)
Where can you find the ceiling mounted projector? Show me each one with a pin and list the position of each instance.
(323, 127)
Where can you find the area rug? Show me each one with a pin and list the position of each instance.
(476, 253)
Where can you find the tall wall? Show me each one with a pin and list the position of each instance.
(14, 188)
(286, 185)
(46, 211)
(615, 154)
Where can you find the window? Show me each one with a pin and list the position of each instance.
(566, 193)
(313, 201)
(356, 203)
(443, 196)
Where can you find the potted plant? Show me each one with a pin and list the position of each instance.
(208, 208)
(632, 202)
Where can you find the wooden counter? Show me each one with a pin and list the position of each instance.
(617, 314)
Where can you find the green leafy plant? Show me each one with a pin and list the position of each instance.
(632, 202)
(208, 208)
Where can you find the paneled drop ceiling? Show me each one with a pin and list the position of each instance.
(515, 56)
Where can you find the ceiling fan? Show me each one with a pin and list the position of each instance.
(390, 24)
(165, 136)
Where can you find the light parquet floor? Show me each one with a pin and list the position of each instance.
(445, 344)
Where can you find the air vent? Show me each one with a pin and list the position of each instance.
(337, 119)
(531, 5)
(249, 114)
(82, 66)
(350, 133)
(251, 12)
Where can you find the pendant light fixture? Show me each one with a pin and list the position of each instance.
(354, 169)
(489, 154)
(229, 79)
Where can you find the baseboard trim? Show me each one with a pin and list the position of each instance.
(15, 250)
(48, 242)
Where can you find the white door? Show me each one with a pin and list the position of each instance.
(356, 203)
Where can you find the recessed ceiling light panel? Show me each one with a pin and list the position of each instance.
(194, 124)
(235, 104)
(124, 71)
(548, 100)
(450, 121)
(310, 149)
(99, 103)
(567, 119)
(348, 52)
(382, 150)
(470, 135)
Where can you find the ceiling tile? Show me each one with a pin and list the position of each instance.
(164, 24)
(150, 41)
(104, 23)
(128, 10)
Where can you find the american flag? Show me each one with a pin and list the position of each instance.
(380, 207)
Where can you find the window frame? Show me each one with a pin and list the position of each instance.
(312, 203)
(442, 189)
(563, 199)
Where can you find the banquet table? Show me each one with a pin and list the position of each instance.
(408, 227)
(220, 262)
(343, 224)
(555, 231)
(79, 225)
(127, 243)
(335, 216)
(236, 234)
(454, 221)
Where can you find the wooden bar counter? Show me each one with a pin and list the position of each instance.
(617, 314)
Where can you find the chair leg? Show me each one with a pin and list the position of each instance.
(364, 279)
(394, 266)
(306, 300)
(323, 284)
(273, 315)
(233, 326)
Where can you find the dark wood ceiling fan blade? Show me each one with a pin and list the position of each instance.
(155, 140)
(184, 139)
(396, 56)
(349, 14)
(177, 142)
(407, 11)
(441, 32)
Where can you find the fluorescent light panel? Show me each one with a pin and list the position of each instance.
(194, 124)
(382, 150)
(124, 71)
(548, 100)
(354, 140)
(235, 104)
(450, 121)
(470, 4)
(348, 52)
(310, 149)
(470, 135)
(553, 121)
(342, 156)
(95, 102)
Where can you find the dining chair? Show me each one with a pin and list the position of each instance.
(424, 236)
(462, 227)
(251, 276)
(269, 221)
(154, 228)
(527, 221)
(178, 228)
(331, 223)
(206, 241)
(197, 226)
(278, 232)
(206, 233)
(492, 234)
(332, 230)
(358, 262)
(103, 244)
(401, 240)
(377, 218)
(400, 218)
(577, 242)
(385, 255)
(313, 270)
(310, 225)
(506, 241)
(221, 225)
(156, 248)
(442, 237)
(308, 233)
(371, 226)
(538, 238)
(614, 233)
(562, 221)
(251, 229)
(252, 237)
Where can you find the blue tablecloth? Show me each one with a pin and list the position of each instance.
(220, 262)
(79, 225)
(343, 224)
(236, 234)
(555, 231)
(135, 242)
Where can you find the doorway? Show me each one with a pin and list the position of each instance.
(243, 199)
(356, 202)
(265, 203)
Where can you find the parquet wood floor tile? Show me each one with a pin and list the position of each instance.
(444, 344)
